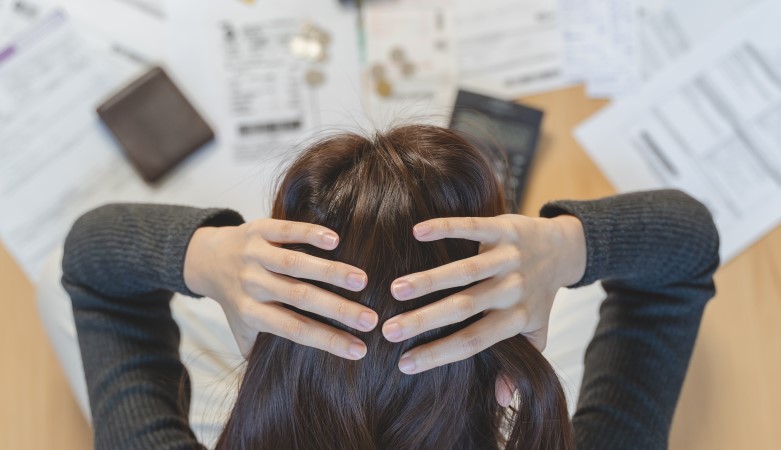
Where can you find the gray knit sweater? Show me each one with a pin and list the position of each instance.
(655, 253)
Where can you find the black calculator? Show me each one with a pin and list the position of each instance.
(506, 132)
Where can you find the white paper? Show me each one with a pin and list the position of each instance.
(56, 161)
(709, 126)
(16, 16)
(424, 37)
(667, 32)
(134, 27)
(510, 48)
(261, 100)
(601, 42)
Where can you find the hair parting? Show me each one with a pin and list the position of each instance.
(372, 192)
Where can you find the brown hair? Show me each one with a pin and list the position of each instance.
(372, 192)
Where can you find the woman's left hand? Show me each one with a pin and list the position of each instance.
(521, 264)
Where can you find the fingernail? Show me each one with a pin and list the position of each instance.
(330, 239)
(407, 365)
(367, 320)
(421, 230)
(356, 280)
(392, 331)
(357, 350)
(401, 289)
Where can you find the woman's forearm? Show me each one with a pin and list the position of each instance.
(124, 250)
(644, 239)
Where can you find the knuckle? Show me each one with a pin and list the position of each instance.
(299, 295)
(330, 271)
(425, 283)
(430, 357)
(419, 319)
(469, 270)
(463, 305)
(514, 259)
(520, 316)
(245, 279)
(340, 311)
(471, 344)
(290, 260)
(256, 227)
(333, 342)
(509, 229)
(470, 224)
(310, 231)
(447, 226)
(516, 282)
(286, 230)
(293, 329)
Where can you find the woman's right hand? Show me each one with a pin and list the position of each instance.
(246, 270)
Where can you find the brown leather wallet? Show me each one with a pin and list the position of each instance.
(155, 124)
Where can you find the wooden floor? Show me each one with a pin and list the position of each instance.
(731, 399)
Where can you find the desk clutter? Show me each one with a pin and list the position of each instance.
(207, 101)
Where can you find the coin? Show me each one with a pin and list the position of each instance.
(408, 69)
(397, 55)
(378, 71)
(314, 78)
(383, 88)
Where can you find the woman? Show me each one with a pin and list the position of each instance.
(464, 306)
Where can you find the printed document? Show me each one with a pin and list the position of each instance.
(510, 48)
(710, 125)
(56, 160)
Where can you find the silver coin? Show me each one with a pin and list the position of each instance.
(314, 78)
(408, 69)
(378, 71)
(397, 55)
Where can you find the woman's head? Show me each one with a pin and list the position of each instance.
(372, 193)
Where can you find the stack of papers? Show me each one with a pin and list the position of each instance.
(710, 125)
(616, 46)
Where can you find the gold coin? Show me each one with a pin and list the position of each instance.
(383, 88)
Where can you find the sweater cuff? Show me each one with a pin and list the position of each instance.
(176, 246)
(643, 236)
(597, 231)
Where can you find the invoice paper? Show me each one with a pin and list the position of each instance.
(56, 161)
(668, 31)
(601, 41)
(510, 48)
(710, 125)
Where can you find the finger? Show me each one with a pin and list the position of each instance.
(458, 273)
(494, 327)
(311, 333)
(308, 297)
(301, 265)
(492, 293)
(288, 232)
(505, 390)
(481, 229)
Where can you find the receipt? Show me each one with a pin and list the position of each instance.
(281, 77)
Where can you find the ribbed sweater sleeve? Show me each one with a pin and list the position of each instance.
(656, 253)
(121, 266)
